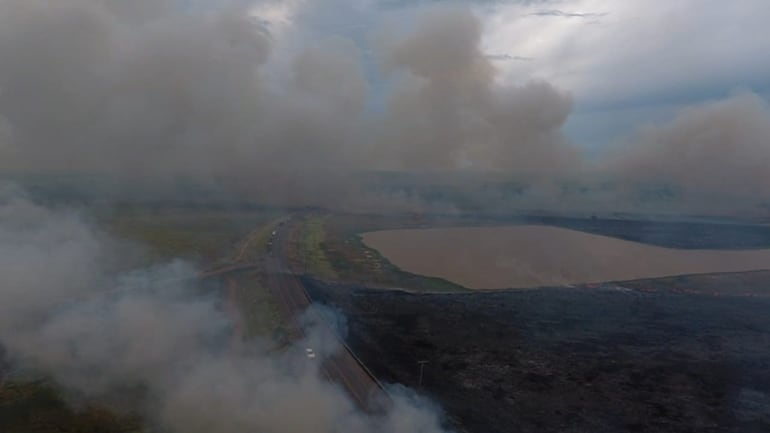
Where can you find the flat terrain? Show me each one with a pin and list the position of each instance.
(38, 407)
(534, 255)
(602, 359)
(201, 236)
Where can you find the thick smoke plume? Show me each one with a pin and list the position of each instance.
(446, 110)
(716, 153)
(98, 333)
(161, 90)
(152, 90)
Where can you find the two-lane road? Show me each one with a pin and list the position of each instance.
(343, 367)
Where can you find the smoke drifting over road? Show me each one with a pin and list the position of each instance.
(100, 333)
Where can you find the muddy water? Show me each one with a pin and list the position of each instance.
(531, 256)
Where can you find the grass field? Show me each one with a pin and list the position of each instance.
(38, 407)
(200, 236)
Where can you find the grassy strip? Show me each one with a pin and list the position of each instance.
(311, 249)
(379, 269)
(260, 312)
(356, 263)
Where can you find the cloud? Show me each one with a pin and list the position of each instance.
(508, 57)
(636, 53)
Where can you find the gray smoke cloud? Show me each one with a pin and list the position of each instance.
(100, 333)
(715, 153)
(147, 89)
(163, 90)
(89, 85)
(448, 112)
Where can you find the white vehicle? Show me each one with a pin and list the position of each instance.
(310, 353)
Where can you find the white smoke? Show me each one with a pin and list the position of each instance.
(99, 333)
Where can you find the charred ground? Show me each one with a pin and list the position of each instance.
(599, 359)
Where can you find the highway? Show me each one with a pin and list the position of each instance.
(286, 286)
(343, 367)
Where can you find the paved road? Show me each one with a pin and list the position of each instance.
(344, 368)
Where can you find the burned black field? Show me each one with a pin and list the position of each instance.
(597, 359)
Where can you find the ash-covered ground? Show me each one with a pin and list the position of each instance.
(599, 359)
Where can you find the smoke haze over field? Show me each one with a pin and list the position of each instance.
(99, 333)
(271, 108)
(719, 149)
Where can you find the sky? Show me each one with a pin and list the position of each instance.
(626, 63)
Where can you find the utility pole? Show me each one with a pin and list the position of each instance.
(422, 368)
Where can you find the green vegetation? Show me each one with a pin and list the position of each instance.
(38, 407)
(200, 236)
(260, 312)
(356, 263)
(379, 270)
(311, 251)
